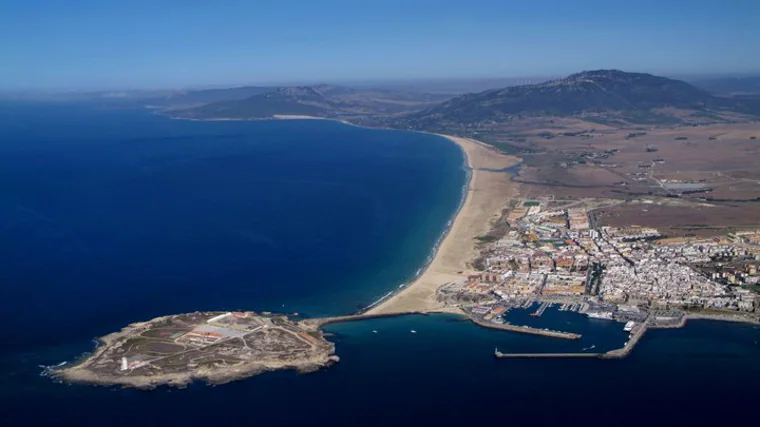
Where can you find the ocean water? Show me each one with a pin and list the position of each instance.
(112, 216)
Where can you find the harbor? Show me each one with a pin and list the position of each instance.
(619, 353)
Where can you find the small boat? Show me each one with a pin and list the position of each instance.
(413, 331)
(374, 331)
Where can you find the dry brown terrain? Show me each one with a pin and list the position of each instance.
(715, 164)
(695, 219)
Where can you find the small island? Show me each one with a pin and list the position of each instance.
(215, 347)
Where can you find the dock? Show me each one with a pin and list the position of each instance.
(541, 309)
(636, 334)
(619, 353)
(501, 355)
(322, 321)
(527, 329)
(318, 322)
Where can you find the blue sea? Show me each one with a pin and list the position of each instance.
(115, 215)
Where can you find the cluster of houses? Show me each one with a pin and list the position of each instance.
(558, 253)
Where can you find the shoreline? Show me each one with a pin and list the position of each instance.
(483, 164)
(449, 258)
(483, 199)
(441, 238)
(390, 304)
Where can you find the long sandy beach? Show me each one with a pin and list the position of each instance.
(488, 193)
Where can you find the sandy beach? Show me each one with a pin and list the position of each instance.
(488, 193)
(295, 117)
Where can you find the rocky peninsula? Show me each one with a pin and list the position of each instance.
(214, 347)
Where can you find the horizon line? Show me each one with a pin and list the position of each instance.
(527, 79)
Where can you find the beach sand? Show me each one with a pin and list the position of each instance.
(296, 117)
(488, 193)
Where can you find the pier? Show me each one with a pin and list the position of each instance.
(527, 329)
(322, 321)
(636, 334)
(501, 355)
(619, 353)
(541, 309)
(319, 322)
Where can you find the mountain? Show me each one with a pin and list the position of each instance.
(318, 100)
(192, 98)
(297, 100)
(608, 94)
(731, 85)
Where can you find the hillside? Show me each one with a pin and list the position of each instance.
(610, 96)
(193, 98)
(300, 100)
(319, 100)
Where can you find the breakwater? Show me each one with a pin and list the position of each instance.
(501, 355)
(636, 334)
(526, 329)
(619, 353)
(320, 322)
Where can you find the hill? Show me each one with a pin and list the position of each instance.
(298, 100)
(319, 101)
(602, 95)
(192, 98)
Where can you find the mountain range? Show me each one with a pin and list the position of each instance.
(601, 95)
(608, 96)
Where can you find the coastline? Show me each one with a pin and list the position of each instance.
(487, 193)
(487, 190)
(484, 196)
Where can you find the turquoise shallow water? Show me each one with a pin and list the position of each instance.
(113, 216)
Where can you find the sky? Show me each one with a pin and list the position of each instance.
(83, 44)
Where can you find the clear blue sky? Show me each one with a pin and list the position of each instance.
(137, 43)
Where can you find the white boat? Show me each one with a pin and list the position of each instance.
(413, 331)
(374, 331)
(600, 315)
(629, 326)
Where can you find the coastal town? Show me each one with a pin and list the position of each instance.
(549, 254)
(503, 252)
